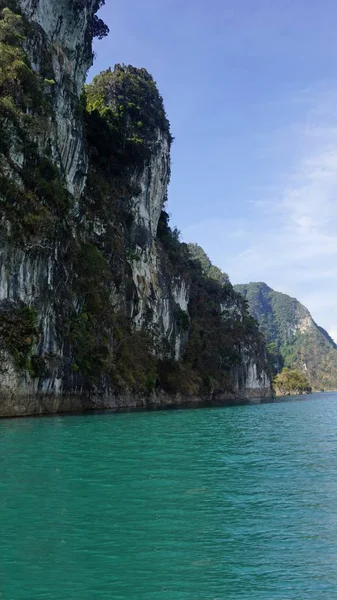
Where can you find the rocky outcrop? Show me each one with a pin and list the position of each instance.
(63, 34)
(294, 339)
(101, 306)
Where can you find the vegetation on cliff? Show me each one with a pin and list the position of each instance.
(209, 270)
(128, 100)
(18, 332)
(34, 198)
(124, 112)
(220, 325)
(294, 339)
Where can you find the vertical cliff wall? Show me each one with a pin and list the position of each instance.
(43, 169)
(100, 303)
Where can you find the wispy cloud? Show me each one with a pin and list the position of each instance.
(291, 243)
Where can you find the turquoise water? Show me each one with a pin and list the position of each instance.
(218, 504)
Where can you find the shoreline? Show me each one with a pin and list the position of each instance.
(49, 406)
(36, 406)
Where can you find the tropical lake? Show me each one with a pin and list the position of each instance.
(210, 504)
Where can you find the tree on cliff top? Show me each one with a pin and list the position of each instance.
(128, 99)
(208, 269)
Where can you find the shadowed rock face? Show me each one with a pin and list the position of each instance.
(64, 34)
(39, 275)
(67, 28)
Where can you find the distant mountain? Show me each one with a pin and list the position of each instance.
(294, 339)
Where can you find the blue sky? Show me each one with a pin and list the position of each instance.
(250, 88)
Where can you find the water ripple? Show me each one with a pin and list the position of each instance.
(211, 504)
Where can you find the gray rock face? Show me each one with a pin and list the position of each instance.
(35, 276)
(152, 183)
(156, 295)
(65, 34)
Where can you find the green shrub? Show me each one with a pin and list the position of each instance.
(291, 381)
(18, 332)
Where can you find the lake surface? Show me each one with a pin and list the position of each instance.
(219, 504)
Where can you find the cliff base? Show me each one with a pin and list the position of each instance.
(39, 404)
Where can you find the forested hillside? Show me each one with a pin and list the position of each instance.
(294, 339)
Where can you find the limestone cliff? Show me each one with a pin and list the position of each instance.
(294, 339)
(101, 306)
